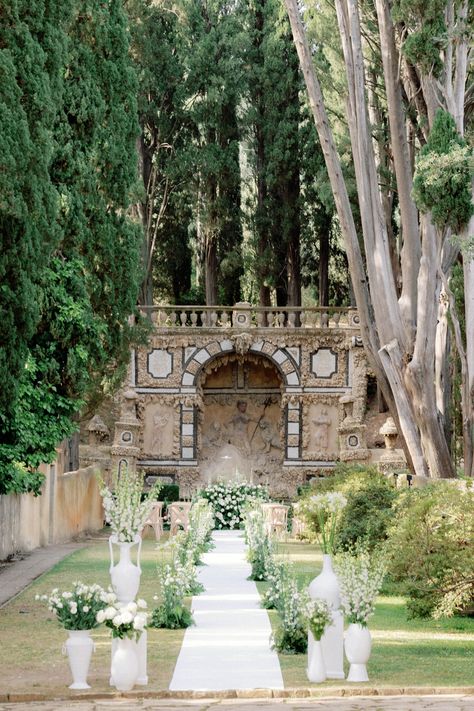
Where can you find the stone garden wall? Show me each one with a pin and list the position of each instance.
(69, 505)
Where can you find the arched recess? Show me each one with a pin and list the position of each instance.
(241, 430)
(283, 361)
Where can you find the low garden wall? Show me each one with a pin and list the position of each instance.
(69, 505)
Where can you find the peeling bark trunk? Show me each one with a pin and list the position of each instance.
(402, 343)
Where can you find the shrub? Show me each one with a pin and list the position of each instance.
(370, 498)
(431, 546)
(291, 636)
(368, 514)
(278, 574)
(172, 612)
(169, 493)
(260, 549)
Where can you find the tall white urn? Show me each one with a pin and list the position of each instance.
(124, 669)
(316, 671)
(79, 647)
(358, 645)
(325, 586)
(125, 575)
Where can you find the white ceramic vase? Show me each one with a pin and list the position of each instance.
(357, 645)
(124, 668)
(125, 575)
(316, 671)
(326, 587)
(79, 647)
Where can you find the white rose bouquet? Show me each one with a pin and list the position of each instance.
(360, 575)
(77, 609)
(125, 507)
(124, 620)
(229, 499)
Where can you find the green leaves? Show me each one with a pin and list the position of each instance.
(442, 181)
(70, 261)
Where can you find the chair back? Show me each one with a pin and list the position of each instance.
(178, 514)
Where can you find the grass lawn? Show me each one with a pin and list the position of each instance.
(404, 652)
(31, 639)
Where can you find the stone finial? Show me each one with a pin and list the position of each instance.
(389, 432)
(98, 430)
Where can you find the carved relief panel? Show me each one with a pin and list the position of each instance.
(320, 428)
(159, 426)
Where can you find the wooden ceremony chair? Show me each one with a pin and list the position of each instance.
(178, 516)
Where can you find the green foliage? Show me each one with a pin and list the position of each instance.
(428, 33)
(442, 182)
(42, 417)
(431, 548)
(169, 493)
(291, 635)
(369, 510)
(69, 267)
(32, 55)
(175, 618)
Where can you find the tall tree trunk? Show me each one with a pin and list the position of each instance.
(405, 369)
(211, 266)
(229, 181)
(324, 261)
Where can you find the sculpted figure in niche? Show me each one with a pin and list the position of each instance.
(238, 428)
(322, 423)
(215, 436)
(269, 435)
(160, 421)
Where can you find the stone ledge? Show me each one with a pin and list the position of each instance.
(289, 693)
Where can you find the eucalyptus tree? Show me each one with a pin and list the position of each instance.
(425, 51)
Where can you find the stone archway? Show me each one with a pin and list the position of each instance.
(242, 425)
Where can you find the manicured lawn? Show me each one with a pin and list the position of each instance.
(404, 652)
(31, 639)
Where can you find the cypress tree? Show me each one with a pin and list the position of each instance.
(79, 249)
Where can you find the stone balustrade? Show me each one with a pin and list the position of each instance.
(244, 315)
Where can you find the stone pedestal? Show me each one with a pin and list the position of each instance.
(125, 450)
(392, 460)
(352, 434)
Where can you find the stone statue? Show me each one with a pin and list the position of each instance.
(160, 421)
(238, 428)
(269, 435)
(321, 430)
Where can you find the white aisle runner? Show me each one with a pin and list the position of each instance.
(229, 645)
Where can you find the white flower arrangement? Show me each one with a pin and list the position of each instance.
(326, 508)
(228, 499)
(124, 620)
(125, 507)
(77, 609)
(360, 575)
(318, 616)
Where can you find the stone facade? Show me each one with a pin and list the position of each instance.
(269, 404)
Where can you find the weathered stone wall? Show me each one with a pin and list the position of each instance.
(263, 403)
(70, 504)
